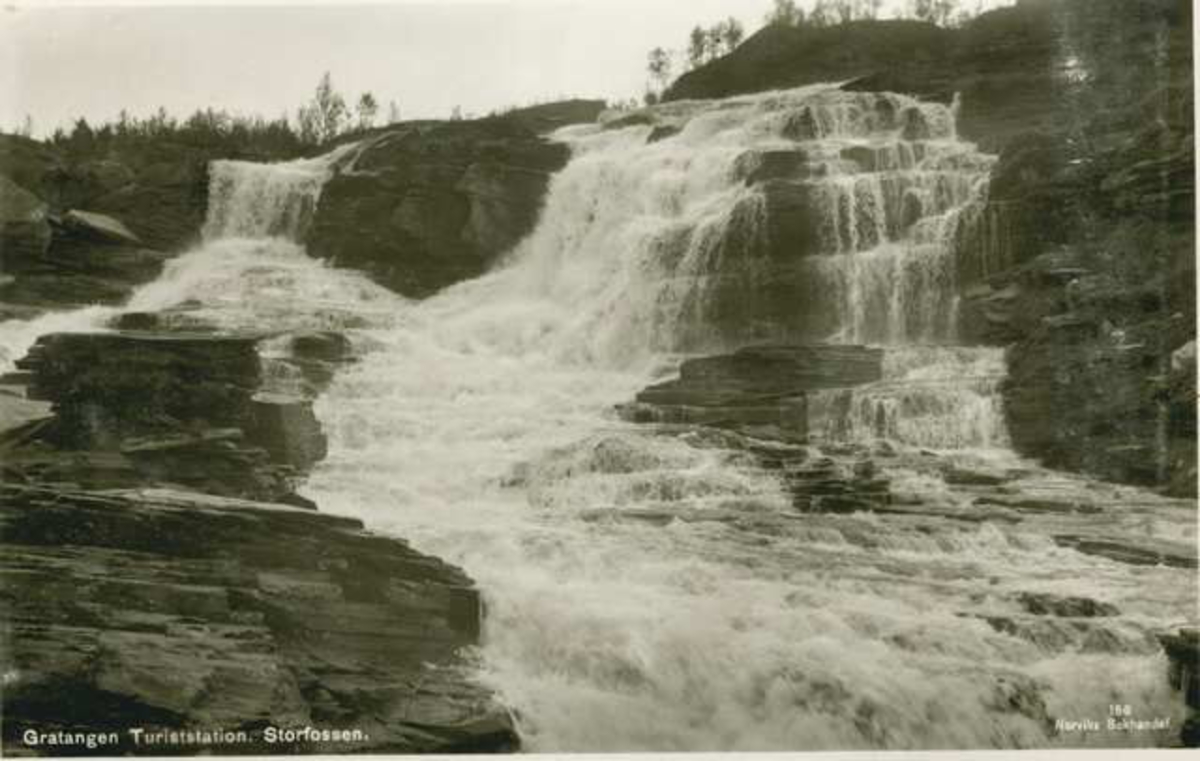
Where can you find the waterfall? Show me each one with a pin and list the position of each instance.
(250, 252)
(660, 592)
(656, 592)
(249, 200)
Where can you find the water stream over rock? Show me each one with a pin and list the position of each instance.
(656, 589)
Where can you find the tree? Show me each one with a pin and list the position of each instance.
(82, 135)
(842, 10)
(868, 9)
(325, 115)
(697, 47)
(393, 112)
(715, 36)
(822, 14)
(367, 109)
(456, 114)
(785, 13)
(26, 129)
(933, 11)
(658, 63)
(731, 34)
(307, 128)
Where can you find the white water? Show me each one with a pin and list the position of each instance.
(249, 253)
(652, 592)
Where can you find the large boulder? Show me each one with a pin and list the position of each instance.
(544, 118)
(429, 204)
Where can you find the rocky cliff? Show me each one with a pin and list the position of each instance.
(1082, 261)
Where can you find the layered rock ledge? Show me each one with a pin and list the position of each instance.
(166, 610)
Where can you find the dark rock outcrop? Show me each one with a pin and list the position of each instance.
(1183, 654)
(179, 409)
(157, 188)
(544, 118)
(1084, 259)
(1045, 604)
(148, 193)
(24, 225)
(426, 205)
(143, 588)
(60, 245)
(165, 610)
(760, 389)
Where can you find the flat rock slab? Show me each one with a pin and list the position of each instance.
(749, 375)
(170, 610)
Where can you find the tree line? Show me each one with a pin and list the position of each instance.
(326, 116)
(825, 13)
(704, 44)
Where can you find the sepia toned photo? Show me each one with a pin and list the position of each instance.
(579, 376)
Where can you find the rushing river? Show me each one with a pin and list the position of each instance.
(648, 591)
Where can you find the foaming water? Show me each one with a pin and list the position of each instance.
(250, 260)
(250, 200)
(659, 592)
(17, 336)
(945, 398)
(654, 590)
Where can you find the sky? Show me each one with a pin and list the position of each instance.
(81, 58)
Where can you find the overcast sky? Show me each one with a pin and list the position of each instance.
(91, 59)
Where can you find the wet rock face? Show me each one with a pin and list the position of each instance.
(428, 205)
(1083, 260)
(169, 610)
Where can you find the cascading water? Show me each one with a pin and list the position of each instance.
(257, 213)
(248, 200)
(659, 592)
(652, 592)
